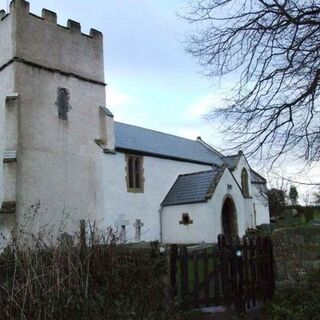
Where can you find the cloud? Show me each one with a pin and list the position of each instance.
(205, 104)
(117, 99)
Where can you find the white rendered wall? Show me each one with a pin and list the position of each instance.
(243, 206)
(6, 88)
(205, 226)
(260, 202)
(6, 85)
(238, 170)
(207, 219)
(57, 158)
(6, 43)
(122, 207)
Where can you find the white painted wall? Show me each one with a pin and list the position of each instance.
(243, 206)
(6, 88)
(122, 207)
(259, 201)
(57, 160)
(206, 216)
(6, 43)
(238, 170)
(205, 226)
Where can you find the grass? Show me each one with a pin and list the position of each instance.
(212, 261)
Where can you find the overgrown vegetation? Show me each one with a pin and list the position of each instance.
(105, 280)
(298, 303)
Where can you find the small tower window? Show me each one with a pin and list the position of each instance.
(244, 182)
(134, 173)
(62, 103)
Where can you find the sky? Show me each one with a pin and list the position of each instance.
(151, 80)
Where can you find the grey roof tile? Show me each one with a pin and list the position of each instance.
(232, 161)
(157, 143)
(194, 187)
(134, 138)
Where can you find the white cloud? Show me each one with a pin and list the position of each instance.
(205, 104)
(117, 99)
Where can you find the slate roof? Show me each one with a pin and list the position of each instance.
(256, 178)
(193, 187)
(136, 139)
(232, 161)
(129, 137)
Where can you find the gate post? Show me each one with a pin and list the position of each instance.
(184, 273)
(173, 270)
(238, 252)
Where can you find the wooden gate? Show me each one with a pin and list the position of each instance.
(235, 273)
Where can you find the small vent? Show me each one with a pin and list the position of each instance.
(10, 156)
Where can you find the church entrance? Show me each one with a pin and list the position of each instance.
(229, 218)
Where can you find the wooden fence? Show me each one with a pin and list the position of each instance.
(236, 273)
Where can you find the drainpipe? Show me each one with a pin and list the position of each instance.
(160, 217)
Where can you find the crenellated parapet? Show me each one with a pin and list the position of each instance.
(48, 16)
(41, 42)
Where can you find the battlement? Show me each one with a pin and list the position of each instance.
(39, 41)
(49, 16)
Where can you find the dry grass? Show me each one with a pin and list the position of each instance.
(102, 280)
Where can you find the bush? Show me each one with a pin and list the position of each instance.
(299, 303)
(263, 230)
(103, 281)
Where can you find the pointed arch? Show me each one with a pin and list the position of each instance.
(229, 223)
(245, 182)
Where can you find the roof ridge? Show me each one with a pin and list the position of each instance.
(210, 148)
(232, 155)
(195, 173)
(164, 133)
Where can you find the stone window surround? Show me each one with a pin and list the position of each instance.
(245, 182)
(185, 219)
(62, 103)
(141, 171)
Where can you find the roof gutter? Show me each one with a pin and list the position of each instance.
(161, 156)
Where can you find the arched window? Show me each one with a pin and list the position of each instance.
(244, 182)
(134, 173)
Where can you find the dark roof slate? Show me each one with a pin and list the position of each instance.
(193, 187)
(232, 161)
(139, 139)
(256, 178)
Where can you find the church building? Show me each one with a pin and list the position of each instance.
(65, 158)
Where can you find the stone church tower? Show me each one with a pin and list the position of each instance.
(51, 92)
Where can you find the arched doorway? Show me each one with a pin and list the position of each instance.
(229, 218)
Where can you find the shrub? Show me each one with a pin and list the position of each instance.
(298, 303)
(103, 281)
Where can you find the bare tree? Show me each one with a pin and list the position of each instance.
(273, 47)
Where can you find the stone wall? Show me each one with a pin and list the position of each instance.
(296, 254)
